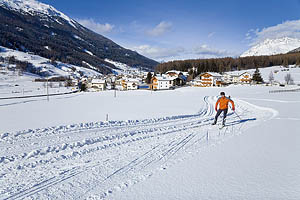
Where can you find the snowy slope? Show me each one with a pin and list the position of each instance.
(44, 64)
(123, 68)
(33, 7)
(273, 46)
(279, 72)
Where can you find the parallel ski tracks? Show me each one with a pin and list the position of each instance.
(178, 133)
(104, 134)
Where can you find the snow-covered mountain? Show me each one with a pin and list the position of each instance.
(273, 47)
(33, 7)
(31, 26)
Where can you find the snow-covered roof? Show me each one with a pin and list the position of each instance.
(132, 80)
(177, 72)
(161, 78)
(173, 71)
(237, 73)
(213, 74)
(98, 81)
(185, 73)
(232, 74)
(245, 73)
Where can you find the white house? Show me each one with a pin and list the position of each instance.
(98, 84)
(162, 83)
(127, 84)
(230, 78)
(132, 84)
(196, 82)
(243, 78)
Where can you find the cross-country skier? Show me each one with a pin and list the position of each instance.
(223, 107)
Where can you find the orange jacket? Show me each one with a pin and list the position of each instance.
(223, 101)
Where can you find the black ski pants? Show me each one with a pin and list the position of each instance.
(224, 115)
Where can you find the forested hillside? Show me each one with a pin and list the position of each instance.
(228, 64)
(55, 38)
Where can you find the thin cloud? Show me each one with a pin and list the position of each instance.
(158, 53)
(206, 51)
(180, 53)
(160, 29)
(285, 29)
(96, 27)
(211, 34)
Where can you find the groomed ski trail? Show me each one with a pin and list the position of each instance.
(95, 160)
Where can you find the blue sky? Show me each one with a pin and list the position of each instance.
(185, 29)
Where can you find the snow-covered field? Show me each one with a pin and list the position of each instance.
(156, 145)
(13, 85)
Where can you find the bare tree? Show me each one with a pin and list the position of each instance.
(288, 79)
(271, 77)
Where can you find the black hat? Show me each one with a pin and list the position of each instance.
(222, 93)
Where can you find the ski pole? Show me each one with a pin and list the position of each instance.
(237, 115)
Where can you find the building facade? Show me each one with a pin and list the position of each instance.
(161, 83)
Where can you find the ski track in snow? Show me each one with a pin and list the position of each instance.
(95, 160)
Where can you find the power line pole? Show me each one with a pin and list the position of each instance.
(47, 90)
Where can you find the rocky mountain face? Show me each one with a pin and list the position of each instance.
(295, 50)
(31, 26)
(273, 47)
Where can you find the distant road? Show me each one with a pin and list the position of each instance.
(42, 95)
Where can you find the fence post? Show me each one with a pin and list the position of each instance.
(207, 136)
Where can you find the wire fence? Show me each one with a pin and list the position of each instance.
(34, 96)
(286, 90)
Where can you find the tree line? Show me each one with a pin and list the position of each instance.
(220, 65)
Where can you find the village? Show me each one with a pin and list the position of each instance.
(167, 81)
(129, 78)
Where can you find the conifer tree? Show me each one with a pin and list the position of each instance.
(257, 77)
(149, 77)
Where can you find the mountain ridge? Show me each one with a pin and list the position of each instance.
(272, 47)
(39, 28)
